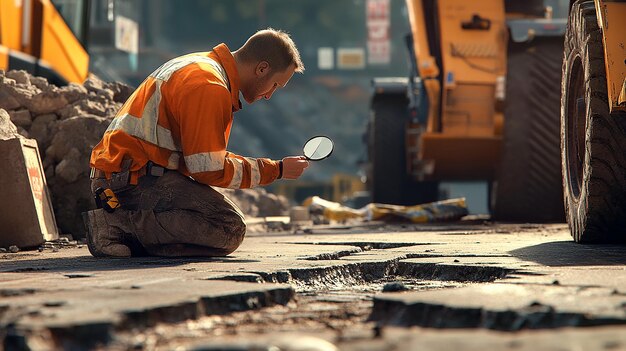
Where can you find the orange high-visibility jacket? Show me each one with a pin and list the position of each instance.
(180, 118)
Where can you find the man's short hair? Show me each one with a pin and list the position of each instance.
(274, 46)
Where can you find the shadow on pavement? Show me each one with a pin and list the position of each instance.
(569, 253)
(88, 263)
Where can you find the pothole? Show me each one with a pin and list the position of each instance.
(328, 299)
(318, 307)
(452, 272)
(334, 298)
(353, 274)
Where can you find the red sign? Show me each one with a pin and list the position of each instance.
(378, 24)
(36, 183)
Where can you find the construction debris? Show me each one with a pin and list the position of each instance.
(257, 202)
(439, 211)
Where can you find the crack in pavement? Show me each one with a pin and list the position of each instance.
(368, 245)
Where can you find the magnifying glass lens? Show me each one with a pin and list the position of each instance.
(318, 148)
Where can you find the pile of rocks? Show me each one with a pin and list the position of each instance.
(7, 128)
(67, 123)
(257, 202)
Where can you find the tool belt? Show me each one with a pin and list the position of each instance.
(105, 197)
(150, 169)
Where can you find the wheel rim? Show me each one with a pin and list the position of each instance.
(576, 126)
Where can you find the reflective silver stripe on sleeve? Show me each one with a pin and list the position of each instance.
(140, 128)
(205, 161)
(255, 178)
(237, 175)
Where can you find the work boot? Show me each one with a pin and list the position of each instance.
(104, 240)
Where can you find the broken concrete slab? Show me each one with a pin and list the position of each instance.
(502, 307)
(143, 304)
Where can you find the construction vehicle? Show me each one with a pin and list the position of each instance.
(593, 121)
(46, 38)
(481, 104)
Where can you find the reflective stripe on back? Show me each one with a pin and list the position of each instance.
(150, 132)
(146, 126)
(167, 69)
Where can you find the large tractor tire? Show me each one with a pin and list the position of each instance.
(593, 141)
(388, 179)
(528, 180)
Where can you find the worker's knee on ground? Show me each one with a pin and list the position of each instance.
(236, 231)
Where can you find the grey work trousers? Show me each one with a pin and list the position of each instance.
(173, 215)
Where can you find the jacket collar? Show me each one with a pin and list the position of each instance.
(225, 58)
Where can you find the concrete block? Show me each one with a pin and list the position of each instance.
(26, 215)
(299, 215)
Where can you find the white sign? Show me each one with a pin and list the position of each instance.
(126, 35)
(378, 24)
(325, 59)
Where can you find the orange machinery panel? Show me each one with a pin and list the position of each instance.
(473, 48)
(11, 24)
(459, 158)
(462, 140)
(611, 20)
(60, 48)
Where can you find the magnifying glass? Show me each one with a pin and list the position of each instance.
(318, 148)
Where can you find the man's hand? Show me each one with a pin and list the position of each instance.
(293, 166)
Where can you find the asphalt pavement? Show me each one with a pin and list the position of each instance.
(366, 286)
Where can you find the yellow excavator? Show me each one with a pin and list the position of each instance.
(481, 104)
(488, 83)
(46, 38)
